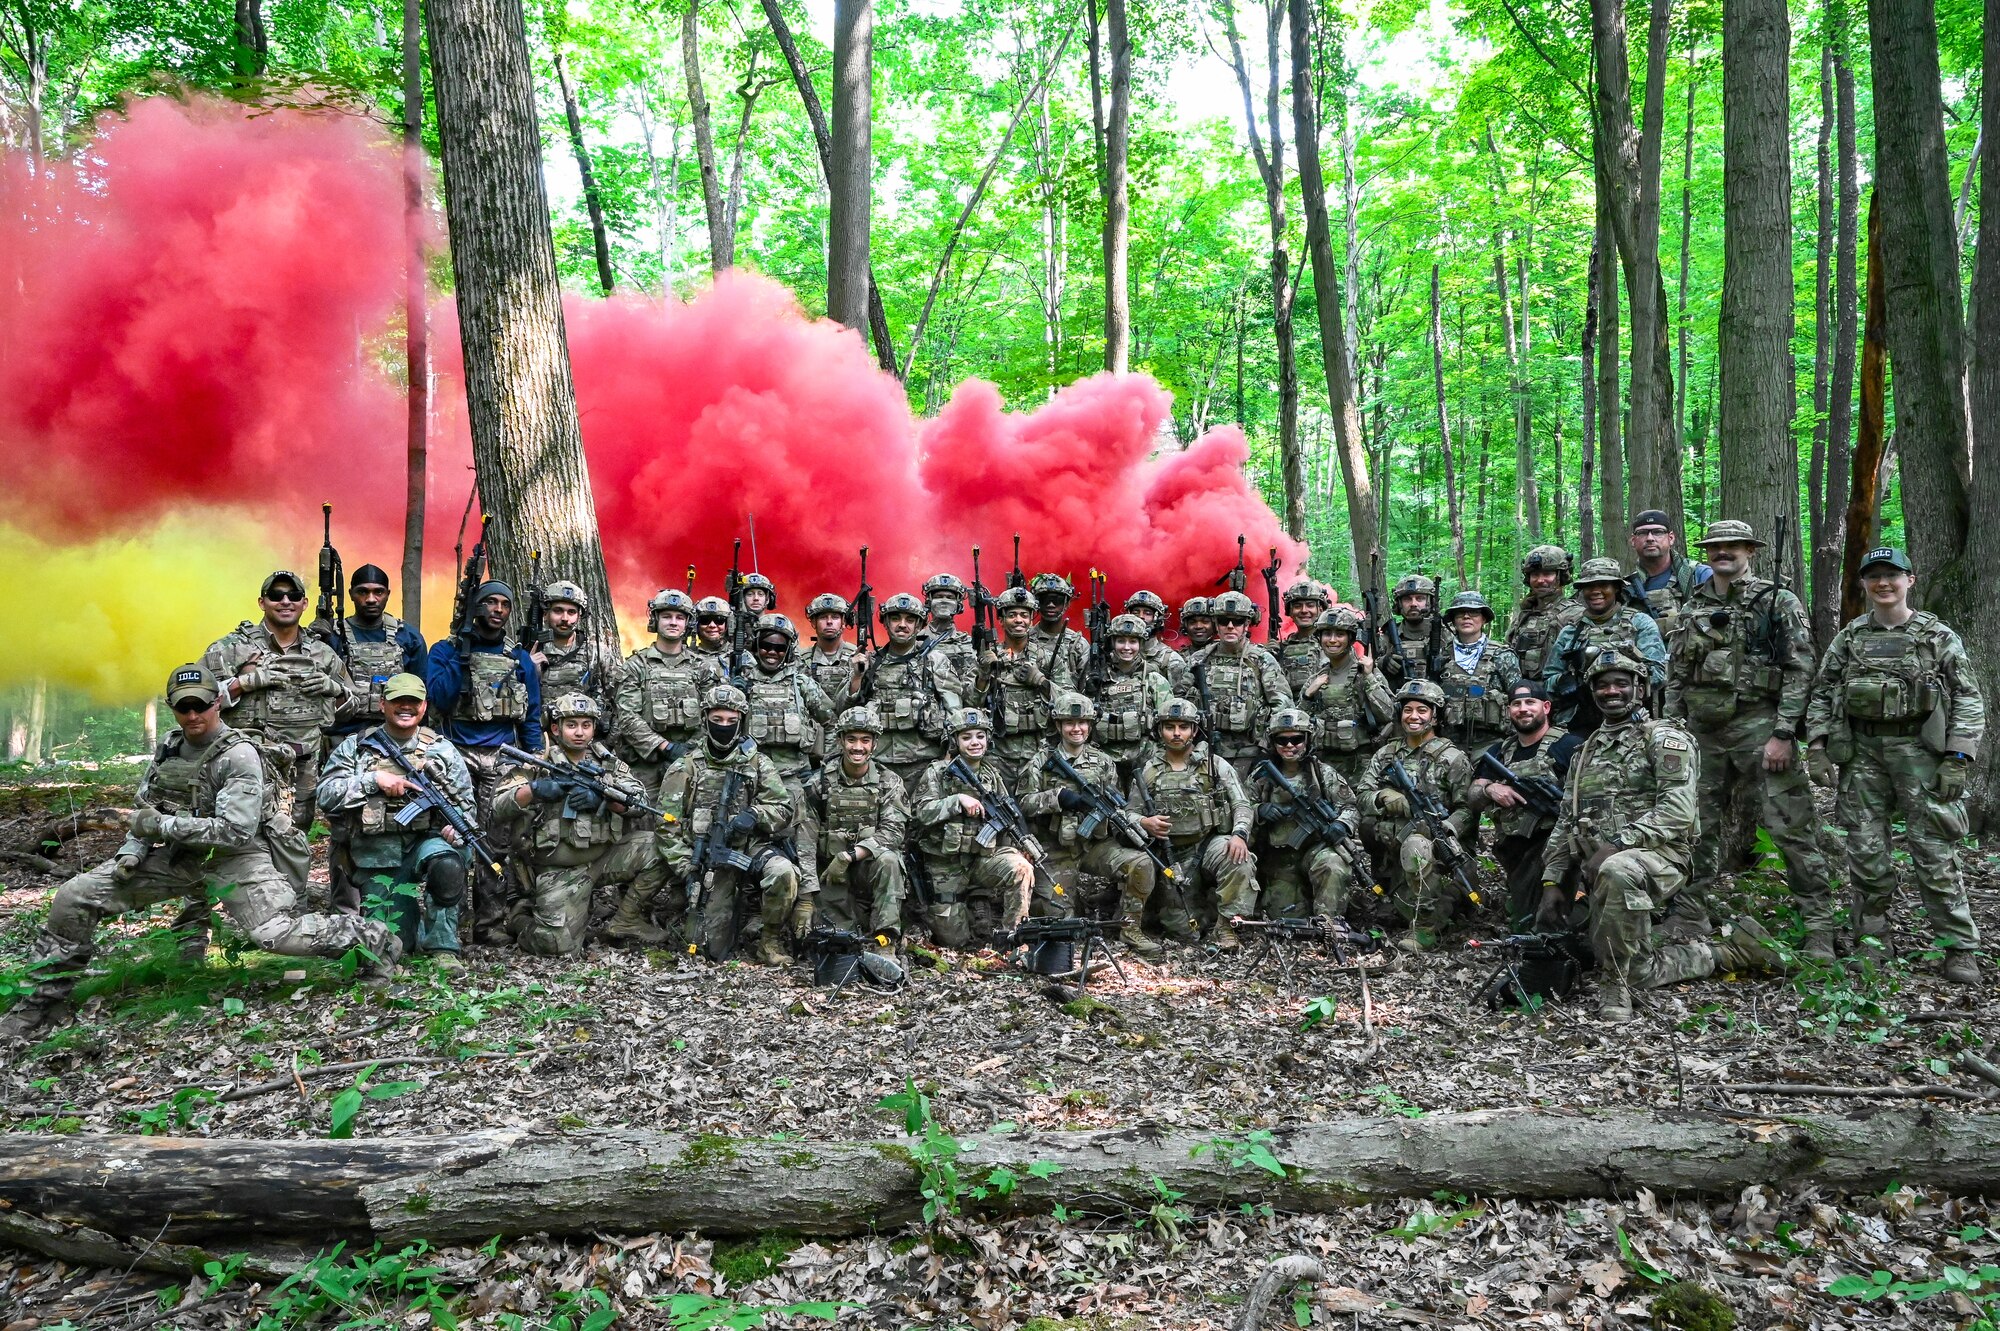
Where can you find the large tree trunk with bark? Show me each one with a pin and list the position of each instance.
(1823, 325)
(1759, 457)
(416, 316)
(1333, 346)
(527, 448)
(1981, 625)
(1445, 450)
(593, 200)
(464, 1189)
(721, 242)
(1117, 207)
(1864, 490)
(1610, 405)
(1828, 550)
(850, 183)
(253, 43)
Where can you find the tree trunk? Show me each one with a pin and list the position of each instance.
(1586, 527)
(747, 92)
(1452, 513)
(1926, 319)
(253, 44)
(593, 202)
(878, 318)
(1610, 410)
(1823, 326)
(1117, 208)
(1981, 624)
(149, 724)
(1758, 456)
(1333, 346)
(1840, 391)
(1527, 496)
(416, 315)
(1864, 498)
(1681, 293)
(527, 449)
(467, 1188)
(850, 183)
(24, 743)
(721, 244)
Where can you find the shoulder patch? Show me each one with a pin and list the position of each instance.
(1673, 740)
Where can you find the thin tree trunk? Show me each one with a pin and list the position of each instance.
(416, 316)
(662, 183)
(527, 447)
(1828, 571)
(1117, 207)
(1681, 295)
(721, 245)
(1445, 449)
(253, 44)
(593, 202)
(35, 731)
(878, 318)
(1335, 357)
(1864, 499)
(149, 724)
(747, 92)
(1823, 322)
(850, 183)
(1528, 499)
(1586, 526)
(1610, 410)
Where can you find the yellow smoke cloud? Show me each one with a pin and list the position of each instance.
(110, 618)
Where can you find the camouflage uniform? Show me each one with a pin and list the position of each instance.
(1015, 690)
(1520, 836)
(1425, 895)
(689, 793)
(1351, 708)
(1301, 881)
(1733, 686)
(975, 889)
(1064, 655)
(1621, 631)
(1205, 799)
(1245, 685)
(1299, 655)
(571, 845)
(789, 717)
(1131, 697)
(912, 689)
(1195, 607)
(1475, 678)
(1889, 702)
(573, 669)
(1423, 638)
(1073, 854)
(1531, 632)
(658, 706)
(840, 814)
(948, 640)
(1664, 601)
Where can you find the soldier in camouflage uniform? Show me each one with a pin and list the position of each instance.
(362, 791)
(1301, 880)
(1475, 673)
(1738, 679)
(854, 818)
(1059, 805)
(1423, 633)
(570, 841)
(912, 690)
(1896, 705)
(975, 889)
(568, 660)
(944, 597)
(789, 716)
(203, 824)
(1536, 749)
(1305, 602)
(766, 893)
(1665, 578)
(713, 621)
(1531, 633)
(1194, 801)
(1627, 830)
(1348, 700)
(1151, 611)
(830, 658)
(1425, 894)
(1060, 650)
(758, 597)
(1602, 623)
(1012, 683)
(1134, 691)
(1197, 625)
(1240, 683)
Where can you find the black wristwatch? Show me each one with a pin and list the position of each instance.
(1784, 732)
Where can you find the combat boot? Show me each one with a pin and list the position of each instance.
(770, 951)
(1960, 967)
(35, 1014)
(1872, 934)
(1139, 942)
(1746, 949)
(1224, 938)
(1614, 1002)
(1818, 945)
(631, 923)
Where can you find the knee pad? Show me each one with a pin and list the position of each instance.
(444, 880)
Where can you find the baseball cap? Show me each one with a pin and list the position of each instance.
(281, 575)
(404, 685)
(1886, 554)
(192, 681)
(1527, 688)
(1651, 517)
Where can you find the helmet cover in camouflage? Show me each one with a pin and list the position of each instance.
(1418, 585)
(902, 603)
(1145, 600)
(1015, 598)
(669, 598)
(1423, 691)
(712, 606)
(1599, 570)
(575, 704)
(1233, 605)
(1544, 557)
(1612, 661)
(826, 603)
(1177, 709)
(759, 582)
(1128, 626)
(769, 623)
(1072, 707)
(725, 698)
(856, 720)
(1469, 601)
(566, 590)
(1195, 607)
(1305, 589)
(1341, 619)
(969, 718)
(1288, 720)
(1051, 584)
(945, 584)
(1729, 531)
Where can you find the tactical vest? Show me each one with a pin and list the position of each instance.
(1340, 722)
(1318, 779)
(1124, 707)
(1416, 660)
(1024, 707)
(778, 719)
(707, 772)
(1613, 781)
(1892, 674)
(1723, 652)
(182, 783)
(376, 816)
(1193, 797)
(1522, 821)
(567, 670)
(902, 693)
(1301, 658)
(955, 646)
(283, 711)
(1425, 764)
(1533, 633)
(564, 840)
(958, 834)
(1666, 603)
(831, 673)
(673, 686)
(494, 690)
(1068, 646)
(371, 663)
(1588, 637)
(1237, 703)
(1473, 702)
(1100, 770)
(849, 811)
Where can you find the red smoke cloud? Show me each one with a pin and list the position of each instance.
(202, 322)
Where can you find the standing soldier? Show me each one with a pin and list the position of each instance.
(1739, 679)
(568, 659)
(1475, 673)
(731, 904)
(1627, 830)
(378, 645)
(975, 889)
(488, 693)
(362, 791)
(944, 598)
(203, 824)
(1057, 800)
(1423, 633)
(1531, 633)
(1134, 692)
(572, 840)
(1426, 896)
(1535, 751)
(1151, 612)
(1896, 705)
(1194, 802)
(912, 690)
(1665, 578)
(1348, 699)
(1060, 650)
(758, 597)
(281, 689)
(1305, 602)
(712, 621)
(854, 818)
(1197, 625)
(1303, 877)
(1012, 682)
(1240, 683)
(830, 658)
(1601, 624)
(789, 716)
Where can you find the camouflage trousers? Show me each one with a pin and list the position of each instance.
(258, 899)
(490, 891)
(864, 897)
(1731, 774)
(1129, 871)
(1632, 888)
(1302, 884)
(1891, 775)
(1424, 894)
(767, 890)
(1208, 888)
(414, 881)
(553, 919)
(973, 895)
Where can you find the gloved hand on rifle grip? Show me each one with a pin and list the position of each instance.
(742, 822)
(1270, 813)
(547, 789)
(1071, 801)
(1392, 804)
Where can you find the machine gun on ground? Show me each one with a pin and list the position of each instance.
(1427, 810)
(839, 956)
(1544, 796)
(1338, 936)
(330, 611)
(1051, 944)
(1534, 968)
(431, 797)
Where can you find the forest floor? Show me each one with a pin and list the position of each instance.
(1199, 1042)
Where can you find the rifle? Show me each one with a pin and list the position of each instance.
(1017, 578)
(1236, 579)
(861, 614)
(1097, 625)
(739, 630)
(1379, 624)
(983, 635)
(431, 796)
(1037, 934)
(1319, 822)
(1534, 968)
(586, 777)
(1337, 934)
(1003, 817)
(468, 581)
(1272, 609)
(712, 851)
(1199, 672)
(1108, 807)
(1777, 643)
(1544, 796)
(535, 626)
(330, 612)
(1444, 841)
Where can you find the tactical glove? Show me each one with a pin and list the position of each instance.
(585, 800)
(1071, 801)
(1392, 804)
(1551, 911)
(1819, 767)
(836, 869)
(124, 867)
(745, 821)
(802, 917)
(1951, 779)
(1270, 813)
(145, 824)
(547, 789)
(253, 680)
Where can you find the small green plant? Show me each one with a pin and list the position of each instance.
(1395, 1103)
(936, 1152)
(177, 1113)
(1167, 1215)
(703, 1312)
(1251, 1151)
(1316, 1011)
(373, 1289)
(1427, 1221)
(348, 1100)
(1636, 1263)
(1981, 1287)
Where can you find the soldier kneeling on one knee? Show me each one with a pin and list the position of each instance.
(854, 816)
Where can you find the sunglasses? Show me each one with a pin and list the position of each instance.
(1230, 619)
(1288, 741)
(189, 706)
(279, 594)
(711, 619)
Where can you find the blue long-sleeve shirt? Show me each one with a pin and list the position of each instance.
(445, 679)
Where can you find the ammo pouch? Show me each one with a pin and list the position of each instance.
(1886, 697)
(493, 688)
(1342, 736)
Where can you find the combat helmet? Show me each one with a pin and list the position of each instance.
(1233, 605)
(902, 603)
(1613, 661)
(770, 622)
(1416, 584)
(1547, 557)
(1196, 607)
(575, 704)
(1051, 584)
(713, 607)
(1341, 618)
(758, 582)
(1288, 720)
(1145, 600)
(827, 603)
(1015, 598)
(566, 590)
(945, 583)
(1072, 707)
(667, 598)
(1305, 589)
(857, 719)
(968, 718)
(1178, 709)
(725, 697)
(1423, 691)
(1599, 570)
(1128, 626)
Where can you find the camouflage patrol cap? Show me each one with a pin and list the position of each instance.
(571, 705)
(758, 582)
(1233, 605)
(1472, 601)
(1051, 584)
(945, 583)
(902, 603)
(277, 576)
(1545, 557)
(769, 623)
(724, 698)
(566, 591)
(1599, 570)
(404, 685)
(1145, 600)
(1287, 721)
(856, 720)
(1072, 707)
(1886, 554)
(1611, 661)
(969, 718)
(669, 598)
(1177, 709)
(1015, 598)
(1729, 531)
(826, 603)
(1305, 589)
(193, 680)
(1128, 626)
(1423, 691)
(1196, 607)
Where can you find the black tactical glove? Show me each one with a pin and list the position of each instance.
(547, 789)
(583, 799)
(745, 821)
(1270, 813)
(1071, 801)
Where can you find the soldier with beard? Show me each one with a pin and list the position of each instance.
(1423, 633)
(1536, 750)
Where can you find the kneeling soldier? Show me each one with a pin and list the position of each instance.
(975, 888)
(1305, 872)
(572, 839)
(362, 791)
(854, 817)
(1426, 895)
(203, 825)
(1194, 801)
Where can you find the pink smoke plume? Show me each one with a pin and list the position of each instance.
(210, 316)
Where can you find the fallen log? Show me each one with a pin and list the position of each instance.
(460, 1189)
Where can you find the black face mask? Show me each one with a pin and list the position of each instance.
(722, 734)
